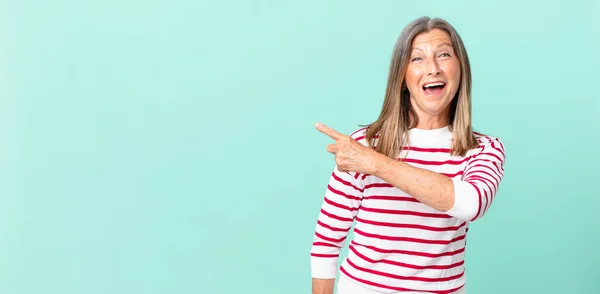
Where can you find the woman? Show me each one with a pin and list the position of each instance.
(412, 180)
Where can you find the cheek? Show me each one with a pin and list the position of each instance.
(412, 78)
(453, 71)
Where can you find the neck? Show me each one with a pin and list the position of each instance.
(432, 122)
(431, 125)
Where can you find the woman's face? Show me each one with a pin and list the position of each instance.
(432, 77)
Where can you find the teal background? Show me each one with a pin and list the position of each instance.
(168, 146)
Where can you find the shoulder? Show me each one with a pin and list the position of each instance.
(490, 144)
(360, 135)
(486, 139)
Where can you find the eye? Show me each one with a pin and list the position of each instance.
(416, 59)
(445, 55)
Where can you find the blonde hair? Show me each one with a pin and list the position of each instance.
(397, 116)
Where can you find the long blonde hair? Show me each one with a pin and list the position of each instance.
(397, 116)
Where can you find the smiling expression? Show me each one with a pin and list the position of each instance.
(432, 77)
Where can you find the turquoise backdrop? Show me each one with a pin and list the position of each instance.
(168, 146)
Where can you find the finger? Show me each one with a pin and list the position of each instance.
(328, 131)
(332, 148)
(344, 168)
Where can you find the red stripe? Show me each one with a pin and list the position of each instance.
(484, 181)
(459, 173)
(478, 159)
(402, 264)
(407, 239)
(479, 199)
(482, 176)
(490, 154)
(342, 193)
(335, 229)
(330, 239)
(332, 203)
(471, 170)
(483, 137)
(430, 150)
(413, 148)
(392, 198)
(409, 148)
(324, 255)
(499, 169)
(404, 212)
(331, 215)
(494, 169)
(367, 282)
(407, 252)
(474, 167)
(359, 130)
(362, 137)
(429, 162)
(491, 179)
(324, 244)
(379, 185)
(346, 183)
(410, 226)
(488, 200)
(499, 149)
(411, 278)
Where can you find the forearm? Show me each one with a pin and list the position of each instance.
(322, 286)
(343, 197)
(431, 188)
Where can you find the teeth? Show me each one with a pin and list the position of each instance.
(433, 85)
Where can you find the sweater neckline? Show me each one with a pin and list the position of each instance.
(429, 136)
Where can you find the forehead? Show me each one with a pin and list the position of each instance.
(435, 38)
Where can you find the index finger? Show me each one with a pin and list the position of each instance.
(328, 131)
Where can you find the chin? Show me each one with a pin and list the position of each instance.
(433, 105)
(436, 108)
(434, 112)
(436, 103)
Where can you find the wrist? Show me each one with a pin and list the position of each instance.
(383, 165)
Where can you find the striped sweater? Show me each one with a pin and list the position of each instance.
(399, 243)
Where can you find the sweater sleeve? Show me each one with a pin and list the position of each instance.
(342, 199)
(475, 191)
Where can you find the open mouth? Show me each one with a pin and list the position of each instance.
(434, 88)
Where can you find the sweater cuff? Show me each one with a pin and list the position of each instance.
(465, 201)
(323, 267)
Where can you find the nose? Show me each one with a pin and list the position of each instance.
(433, 69)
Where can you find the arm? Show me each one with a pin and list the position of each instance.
(431, 188)
(342, 199)
(322, 286)
(467, 198)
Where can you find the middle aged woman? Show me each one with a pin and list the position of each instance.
(412, 180)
